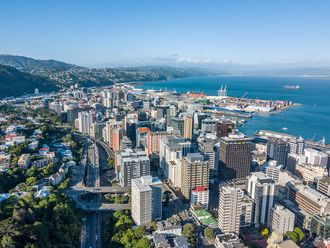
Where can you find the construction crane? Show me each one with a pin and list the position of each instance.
(244, 95)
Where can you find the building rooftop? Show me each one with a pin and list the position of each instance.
(195, 157)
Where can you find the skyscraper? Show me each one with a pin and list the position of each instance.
(188, 126)
(146, 199)
(235, 156)
(133, 164)
(171, 148)
(84, 122)
(278, 150)
(230, 209)
(261, 189)
(178, 124)
(194, 173)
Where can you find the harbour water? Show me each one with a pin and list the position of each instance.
(311, 119)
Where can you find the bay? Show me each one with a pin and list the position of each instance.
(310, 120)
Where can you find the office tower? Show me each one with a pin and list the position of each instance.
(211, 153)
(84, 122)
(194, 173)
(141, 137)
(118, 134)
(178, 124)
(153, 141)
(97, 130)
(110, 126)
(175, 172)
(261, 189)
(171, 148)
(209, 125)
(133, 164)
(278, 150)
(235, 156)
(320, 226)
(281, 219)
(56, 107)
(146, 200)
(200, 195)
(229, 213)
(188, 126)
(72, 114)
(296, 146)
(200, 118)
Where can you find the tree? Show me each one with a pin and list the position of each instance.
(189, 232)
(7, 242)
(140, 232)
(153, 226)
(292, 235)
(209, 233)
(300, 233)
(142, 243)
(264, 232)
(111, 163)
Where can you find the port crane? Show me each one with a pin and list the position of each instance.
(244, 95)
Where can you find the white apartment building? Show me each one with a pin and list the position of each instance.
(146, 199)
(230, 208)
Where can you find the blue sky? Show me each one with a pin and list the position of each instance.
(122, 32)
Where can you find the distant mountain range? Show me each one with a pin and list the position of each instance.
(20, 75)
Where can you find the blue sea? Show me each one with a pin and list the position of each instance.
(310, 120)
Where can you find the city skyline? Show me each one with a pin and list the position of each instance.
(209, 34)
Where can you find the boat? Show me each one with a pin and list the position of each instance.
(285, 128)
(292, 87)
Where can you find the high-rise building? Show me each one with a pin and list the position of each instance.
(246, 218)
(188, 126)
(178, 124)
(171, 148)
(174, 172)
(56, 107)
(153, 141)
(320, 225)
(278, 150)
(281, 219)
(133, 164)
(235, 156)
(296, 146)
(273, 170)
(97, 130)
(146, 199)
(229, 213)
(211, 153)
(84, 122)
(118, 134)
(194, 173)
(209, 125)
(261, 189)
